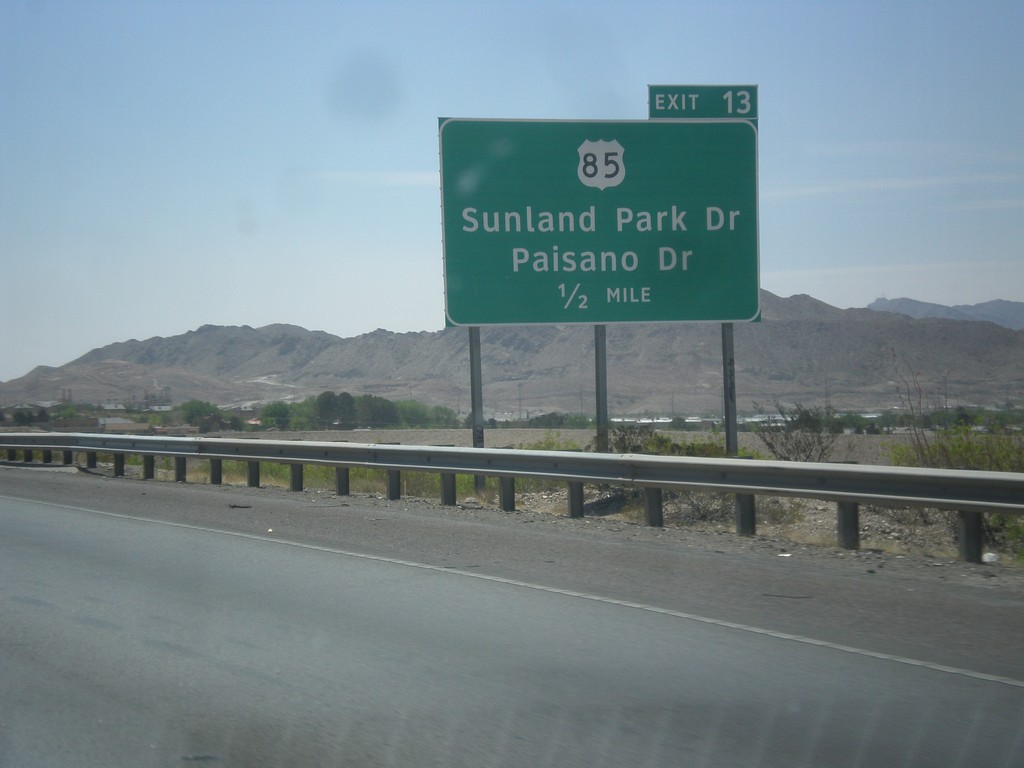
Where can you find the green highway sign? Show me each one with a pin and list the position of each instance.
(599, 222)
(694, 102)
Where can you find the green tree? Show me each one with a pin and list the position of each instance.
(374, 411)
(346, 409)
(413, 413)
(202, 414)
(328, 409)
(443, 417)
(67, 411)
(276, 415)
(302, 415)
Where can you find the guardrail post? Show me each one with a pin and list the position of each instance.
(296, 478)
(252, 474)
(746, 515)
(27, 455)
(90, 460)
(47, 456)
(848, 525)
(12, 454)
(69, 457)
(653, 506)
(216, 471)
(148, 467)
(448, 489)
(179, 469)
(394, 484)
(746, 506)
(341, 481)
(507, 494)
(575, 499)
(970, 536)
(118, 465)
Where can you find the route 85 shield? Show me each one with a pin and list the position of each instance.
(601, 163)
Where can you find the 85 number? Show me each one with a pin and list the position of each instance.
(611, 165)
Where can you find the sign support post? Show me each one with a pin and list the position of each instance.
(476, 396)
(729, 381)
(601, 385)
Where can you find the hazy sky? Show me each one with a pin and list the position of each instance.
(165, 165)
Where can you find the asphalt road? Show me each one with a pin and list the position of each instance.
(153, 624)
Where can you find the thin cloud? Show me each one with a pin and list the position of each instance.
(379, 178)
(993, 205)
(888, 184)
(932, 150)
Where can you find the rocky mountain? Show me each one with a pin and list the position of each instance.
(804, 350)
(1009, 314)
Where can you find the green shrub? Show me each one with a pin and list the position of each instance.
(644, 439)
(964, 447)
(799, 433)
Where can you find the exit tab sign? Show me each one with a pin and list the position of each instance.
(718, 102)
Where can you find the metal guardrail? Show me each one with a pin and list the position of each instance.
(970, 493)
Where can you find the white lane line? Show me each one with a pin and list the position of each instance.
(569, 593)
